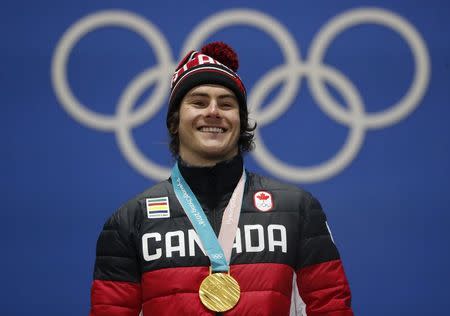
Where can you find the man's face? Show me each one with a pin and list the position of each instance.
(209, 125)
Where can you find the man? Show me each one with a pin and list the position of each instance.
(215, 238)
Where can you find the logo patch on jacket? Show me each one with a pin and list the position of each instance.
(263, 201)
(158, 207)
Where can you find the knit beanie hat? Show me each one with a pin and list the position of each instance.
(215, 63)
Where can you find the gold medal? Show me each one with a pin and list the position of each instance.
(219, 292)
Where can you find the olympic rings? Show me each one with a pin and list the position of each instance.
(289, 75)
(342, 158)
(416, 44)
(87, 24)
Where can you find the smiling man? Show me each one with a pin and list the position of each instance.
(209, 125)
(215, 238)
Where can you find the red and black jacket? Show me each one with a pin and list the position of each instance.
(283, 257)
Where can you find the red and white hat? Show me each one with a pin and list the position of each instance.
(215, 63)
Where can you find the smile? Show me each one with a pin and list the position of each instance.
(209, 129)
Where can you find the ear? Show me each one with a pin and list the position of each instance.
(173, 129)
(174, 124)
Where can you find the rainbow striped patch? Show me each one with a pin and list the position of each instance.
(158, 207)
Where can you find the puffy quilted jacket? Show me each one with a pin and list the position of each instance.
(283, 256)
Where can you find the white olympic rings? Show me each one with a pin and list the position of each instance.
(289, 74)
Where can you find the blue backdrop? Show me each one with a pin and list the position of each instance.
(352, 100)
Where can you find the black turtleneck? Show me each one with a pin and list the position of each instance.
(213, 186)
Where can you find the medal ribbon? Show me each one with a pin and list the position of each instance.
(217, 249)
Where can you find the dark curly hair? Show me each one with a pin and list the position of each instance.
(246, 135)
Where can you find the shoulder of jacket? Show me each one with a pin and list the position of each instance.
(159, 189)
(130, 213)
(260, 182)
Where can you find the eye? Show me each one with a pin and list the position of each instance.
(198, 103)
(228, 105)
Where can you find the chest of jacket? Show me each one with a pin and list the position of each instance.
(262, 236)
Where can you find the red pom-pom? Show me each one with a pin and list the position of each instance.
(223, 53)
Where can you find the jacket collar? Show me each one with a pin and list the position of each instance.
(219, 179)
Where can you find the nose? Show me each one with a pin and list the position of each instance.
(213, 109)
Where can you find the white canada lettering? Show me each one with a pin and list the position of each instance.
(145, 251)
(237, 241)
(248, 238)
(193, 240)
(272, 242)
(173, 244)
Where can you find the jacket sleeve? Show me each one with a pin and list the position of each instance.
(116, 287)
(321, 280)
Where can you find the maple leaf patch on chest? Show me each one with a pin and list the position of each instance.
(263, 201)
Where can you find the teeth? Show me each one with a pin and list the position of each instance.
(212, 129)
